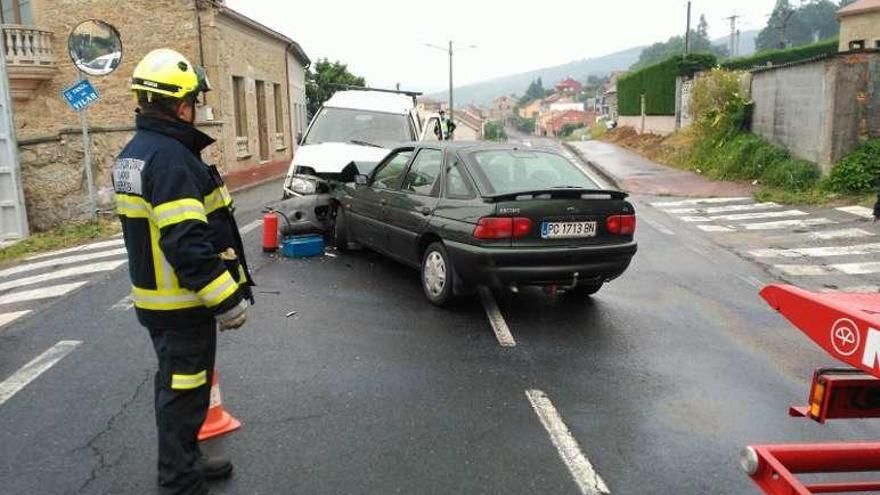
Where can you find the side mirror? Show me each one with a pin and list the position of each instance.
(299, 137)
(361, 179)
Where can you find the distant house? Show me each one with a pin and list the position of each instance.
(426, 106)
(569, 85)
(606, 101)
(502, 109)
(564, 106)
(860, 25)
(469, 126)
(554, 122)
(531, 109)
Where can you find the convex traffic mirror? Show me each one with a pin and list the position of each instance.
(95, 47)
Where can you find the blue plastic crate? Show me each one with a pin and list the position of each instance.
(302, 246)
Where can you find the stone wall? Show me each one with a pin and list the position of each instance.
(661, 125)
(819, 110)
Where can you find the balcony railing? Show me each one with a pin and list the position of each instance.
(27, 45)
(30, 59)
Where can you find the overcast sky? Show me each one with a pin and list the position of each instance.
(384, 40)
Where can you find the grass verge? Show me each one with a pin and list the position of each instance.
(69, 235)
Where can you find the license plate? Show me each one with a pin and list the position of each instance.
(567, 230)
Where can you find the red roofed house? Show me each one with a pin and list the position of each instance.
(860, 25)
(569, 85)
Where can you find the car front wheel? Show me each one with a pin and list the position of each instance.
(340, 230)
(437, 275)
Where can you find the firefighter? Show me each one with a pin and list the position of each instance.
(444, 127)
(186, 259)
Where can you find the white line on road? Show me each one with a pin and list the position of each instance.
(784, 224)
(714, 228)
(756, 216)
(753, 281)
(840, 234)
(818, 252)
(858, 289)
(859, 211)
(858, 268)
(502, 332)
(586, 477)
(7, 318)
(41, 293)
(104, 266)
(699, 201)
(87, 247)
(39, 365)
(656, 226)
(695, 219)
(69, 260)
(250, 227)
(801, 270)
(723, 209)
(124, 304)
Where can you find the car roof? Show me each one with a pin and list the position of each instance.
(375, 101)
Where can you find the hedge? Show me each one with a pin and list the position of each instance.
(657, 83)
(780, 57)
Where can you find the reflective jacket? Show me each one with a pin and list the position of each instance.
(177, 219)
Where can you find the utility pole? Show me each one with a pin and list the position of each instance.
(782, 22)
(451, 52)
(734, 44)
(687, 33)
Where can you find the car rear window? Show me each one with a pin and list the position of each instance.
(510, 171)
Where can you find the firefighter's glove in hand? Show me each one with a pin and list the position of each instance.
(234, 318)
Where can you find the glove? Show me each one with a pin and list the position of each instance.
(233, 318)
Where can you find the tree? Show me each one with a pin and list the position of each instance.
(812, 21)
(661, 51)
(325, 78)
(493, 131)
(535, 91)
(703, 27)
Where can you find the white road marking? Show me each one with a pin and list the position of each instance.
(784, 224)
(817, 252)
(723, 209)
(124, 304)
(858, 268)
(250, 227)
(104, 266)
(753, 281)
(714, 228)
(656, 226)
(86, 247)
(39, 365)
(801, 270)
(841, 234)
(41, 293)
(859, 211)
(502, 332)
(756, 216)
(7, 318)
(696, 219)
(700, 201)
(586, 477)
(858, 289)
(69, 260)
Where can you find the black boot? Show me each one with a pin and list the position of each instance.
(216, 467)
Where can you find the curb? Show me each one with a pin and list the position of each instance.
(593, 165)
(252, 185)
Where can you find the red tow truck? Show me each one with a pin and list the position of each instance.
(847, 326)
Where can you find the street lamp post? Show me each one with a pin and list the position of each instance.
(451, 52)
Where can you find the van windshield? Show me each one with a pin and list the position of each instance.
(343, 125)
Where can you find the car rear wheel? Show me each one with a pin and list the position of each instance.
(437, 275)
(340, 230)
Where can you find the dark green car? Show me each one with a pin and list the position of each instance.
(474, 214)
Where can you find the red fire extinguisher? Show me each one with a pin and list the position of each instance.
(270, 232)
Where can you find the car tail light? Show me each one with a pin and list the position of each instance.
(621, 224)
(502, 228)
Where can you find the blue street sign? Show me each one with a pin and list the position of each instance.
(80, 95)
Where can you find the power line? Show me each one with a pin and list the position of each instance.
(733, 44)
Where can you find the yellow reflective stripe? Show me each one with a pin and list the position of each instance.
(216, 199)
(165, 299)
(178, 211)
(242, 276)
(132, 206)
(218, 290)
(188, 382)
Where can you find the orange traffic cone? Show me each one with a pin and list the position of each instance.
(218, 421)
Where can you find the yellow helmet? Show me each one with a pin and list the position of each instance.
(168, 73)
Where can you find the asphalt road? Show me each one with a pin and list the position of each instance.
(661, 378)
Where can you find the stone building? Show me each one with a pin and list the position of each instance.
(255, 111)
(502, 109)
(860, 25)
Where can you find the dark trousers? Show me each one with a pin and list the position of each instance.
(183, 391)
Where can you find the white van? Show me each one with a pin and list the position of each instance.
(351, 133)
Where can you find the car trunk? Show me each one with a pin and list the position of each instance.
(563, 217)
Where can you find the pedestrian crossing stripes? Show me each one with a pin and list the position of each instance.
(104, 266)
(77, 249)
(69, 260)
(701, 201)
(840, 234)
(722, 209)
(41, 293)
(860, 211)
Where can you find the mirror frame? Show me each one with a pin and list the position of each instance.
(113, 30)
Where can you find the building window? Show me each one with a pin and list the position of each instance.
(16, 12)
(857, 45)
(240, 106)
(877, 44)
(279, 109)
